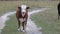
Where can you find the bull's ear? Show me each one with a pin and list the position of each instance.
(19, 7)
(28, 7)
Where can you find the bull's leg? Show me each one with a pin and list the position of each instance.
(18, 25)
(21, 22)
(25, 23)
(24, 26)
(20, 28)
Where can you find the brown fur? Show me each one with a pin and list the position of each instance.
(19, 15)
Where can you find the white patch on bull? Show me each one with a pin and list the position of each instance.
(23, 9)
(21, 20)
(21, 28)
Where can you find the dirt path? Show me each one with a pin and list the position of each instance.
(3, 19)
(31, 27)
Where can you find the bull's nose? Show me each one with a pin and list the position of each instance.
(23, 12)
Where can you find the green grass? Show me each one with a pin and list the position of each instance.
(11, 26)
(6, 6)
(47, 19)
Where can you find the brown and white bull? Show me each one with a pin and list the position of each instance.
(22, 16)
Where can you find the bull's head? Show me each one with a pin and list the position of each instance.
(23, 9)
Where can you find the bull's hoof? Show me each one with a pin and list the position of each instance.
(18, 29)
(23, 31)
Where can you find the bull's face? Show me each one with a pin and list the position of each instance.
(23, 9)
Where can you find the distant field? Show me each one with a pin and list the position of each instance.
(47, 19)
(6, 6)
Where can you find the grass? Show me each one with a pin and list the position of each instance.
(47, 19)
(11, 26)
(6, 6)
